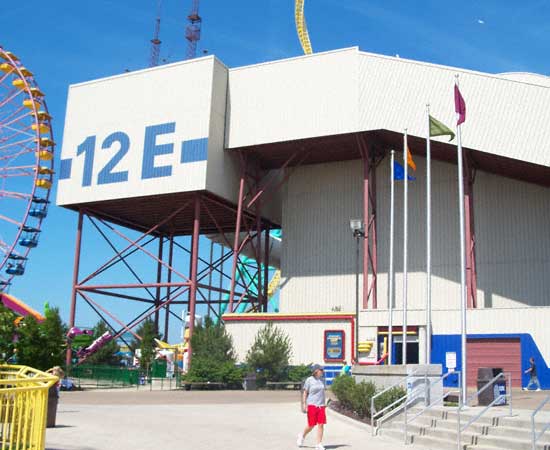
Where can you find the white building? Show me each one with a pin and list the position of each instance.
(325, 123)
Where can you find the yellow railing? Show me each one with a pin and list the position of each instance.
(23, 407)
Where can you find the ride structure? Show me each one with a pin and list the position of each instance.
(26, 165)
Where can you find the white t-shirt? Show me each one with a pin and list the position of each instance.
(315, 389)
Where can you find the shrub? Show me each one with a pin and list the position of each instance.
(7, 332)
(299, 373)
(387, 398)
(269, 354)
(213, 356)
(343, 387)
(357, 397)
(362, 396)
(42, 345)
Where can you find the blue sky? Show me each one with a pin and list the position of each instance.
(66, 42)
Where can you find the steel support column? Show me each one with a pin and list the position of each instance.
(369, 218)
(168, 289)
(194, 265)
(72, 314)
(266, 269)
(159, 280)
(236, 244)
(469, 224)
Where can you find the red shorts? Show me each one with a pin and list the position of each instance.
(316, 415)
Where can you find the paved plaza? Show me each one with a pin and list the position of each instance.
(130, 420)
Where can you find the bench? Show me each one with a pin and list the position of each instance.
(202, 385)
(294, 385)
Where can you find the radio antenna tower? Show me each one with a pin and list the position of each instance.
(193, 30)
(155, 42)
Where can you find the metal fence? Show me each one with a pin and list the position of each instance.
(109, 377)
(23, 407)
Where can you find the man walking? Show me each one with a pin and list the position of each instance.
(532, 371)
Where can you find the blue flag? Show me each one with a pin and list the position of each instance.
(399, 172)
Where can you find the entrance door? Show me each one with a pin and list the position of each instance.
(412, 353)
(503, 353)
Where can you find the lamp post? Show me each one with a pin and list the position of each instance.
(358, 231)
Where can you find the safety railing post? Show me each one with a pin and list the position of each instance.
(458, 409)
(372, 411)
(405, 427)
(510, 391)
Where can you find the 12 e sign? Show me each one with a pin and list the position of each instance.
(191, 151)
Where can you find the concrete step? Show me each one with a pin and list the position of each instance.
(500, 420)
(509, 443)
(423, 441)
(439, 428)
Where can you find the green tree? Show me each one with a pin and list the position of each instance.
(107, 353)
(270, 354)
(213, 355)
(148, 333)
(7, 333)
(42, 345)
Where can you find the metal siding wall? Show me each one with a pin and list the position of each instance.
(318, 260)
(309, 96)
(307, 338)
(505, 117)
(513, 244)
(513, 248)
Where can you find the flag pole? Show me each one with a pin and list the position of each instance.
(405, 238)
(428, 240)
(462, 257)
(391, 274)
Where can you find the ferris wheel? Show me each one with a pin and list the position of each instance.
(26, 165)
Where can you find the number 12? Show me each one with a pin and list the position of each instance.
(106, 175)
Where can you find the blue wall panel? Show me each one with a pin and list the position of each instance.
(443, 343)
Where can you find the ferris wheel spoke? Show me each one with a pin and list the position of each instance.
(13, 113)
(17, 119)
(10, 98)
(13, 144)
(15, 195)
(15, 155)
(12, 221)
(17, 132)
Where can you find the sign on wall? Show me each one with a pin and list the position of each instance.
(334, 345)
(138, 134)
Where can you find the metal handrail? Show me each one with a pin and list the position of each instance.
(534, 436)
(489, 383)
(437, 401)
(376, 414)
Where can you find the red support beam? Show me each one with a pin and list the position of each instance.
(236, 246)
(370, 262)
(471, 270)
(72, 314)
(194, 265)
(168, 289)
(159, 280)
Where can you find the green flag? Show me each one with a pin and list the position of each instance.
(439, 129)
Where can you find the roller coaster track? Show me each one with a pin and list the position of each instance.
(301, 27)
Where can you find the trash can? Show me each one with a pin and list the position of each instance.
(498, 387)
(249, 382)
(53, 398)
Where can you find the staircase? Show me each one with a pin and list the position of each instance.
(437, 429)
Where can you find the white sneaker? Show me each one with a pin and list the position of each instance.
(300, 440)
(319, 447)
(539, 389)
(523, 389)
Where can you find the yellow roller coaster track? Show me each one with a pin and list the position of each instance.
(301, 27)
(274, 283)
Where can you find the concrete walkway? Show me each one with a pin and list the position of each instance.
(196, 421)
